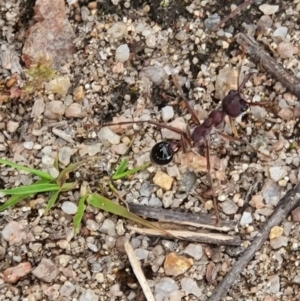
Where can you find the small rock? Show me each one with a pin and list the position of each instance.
(190, 287)
(90, 149)
(257, 201)
(280, 32)
(64, 155)
(155, 73)
(229, 207)
(46, 270)
(271, 192)
(13, 274)
(13, 233)
(54, 109)
(178, 123)
(277, 172)
(163, 180)
(62, 260)
(141, 254)
(155, 202)
(285, 50)
(211, 21)
(74, 111)
(69, 207)
(226, 80)
(296, 214)
(122, 53)
(167, 113)
(164, 287)
(275, 232)
(264, 23)
(274, 283)
(194, 250)
(258, 112)
(108, 227)
(281, 241)
(28, 144)
(146, 189)
(12, 126)
(67, 289)
(151, 41)
(106, 134)
(268, 9)
(175, 265)
(59, 85)
(181, 35)
(38, 107)
(246, 218)
(89, 295)
(78, 94)
(285, 114)
(119, 149)
(115, 291)
(117, 30)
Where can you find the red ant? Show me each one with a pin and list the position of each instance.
(233, 105)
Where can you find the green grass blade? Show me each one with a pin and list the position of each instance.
(12, 201)
(122, 167)
(107, 205)
(31, 189)
(39, 173)
(79, 215)
(68, 186)
(130, 172)
(52, 200)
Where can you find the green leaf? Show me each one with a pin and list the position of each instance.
(39, 173)
(130, 172)
(31, 189)
(107, 205)
(122, 167)
(79, 215)
(52, 200)
(13, 200)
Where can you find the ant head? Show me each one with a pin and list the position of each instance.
(233, 104)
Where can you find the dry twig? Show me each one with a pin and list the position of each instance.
(285, 205)
(268, 63)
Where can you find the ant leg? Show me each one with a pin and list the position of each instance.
(233, 128)
(160, 125)
(211, 181)
(187, 105)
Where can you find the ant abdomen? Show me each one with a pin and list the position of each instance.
(162, 152)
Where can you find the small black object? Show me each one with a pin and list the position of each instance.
(161, 153)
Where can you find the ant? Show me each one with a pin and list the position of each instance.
(233, 105)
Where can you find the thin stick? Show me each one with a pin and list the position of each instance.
(138, 272)
(268, 63)
(285, 205)
(233, 13)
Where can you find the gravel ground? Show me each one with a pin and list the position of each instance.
(116, 61)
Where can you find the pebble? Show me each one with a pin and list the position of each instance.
(164, 287)
(155, 202)
(13, 274)
(229, 207)
(191, 287)
(154, 73)
(257, 201)
(268, 9)
(178, 123)
(64, 155)
(63, 260)
(181, 35)
(167, 113)
(264, 22)
(54, 109)
(141, 254)
(90, 149)
(296, 214)
(286, 114)
(275, 232)
(69, 207)
(12, 126)
(212, 21)
(13, 233)
(117, 30)
(46, 270)
(246, 219)
(67, 289)
(151, 41)
(92, 225)
(281, 241)
(194, 250)
(89, 295)
(59, 85)
(74, 111)
(146, 189)
(175, 296)
(163, 180)
(175, 264)
(122, 53)
(28, 145)
(280, 32)
(274, 283)
(258, 112)
(106, 134)
(108, 227)
(271, 192)
(78, 94)
(285, 50)
(277, 173)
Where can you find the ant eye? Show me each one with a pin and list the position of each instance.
(244, 106)
(161, 153)
(232, 91)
